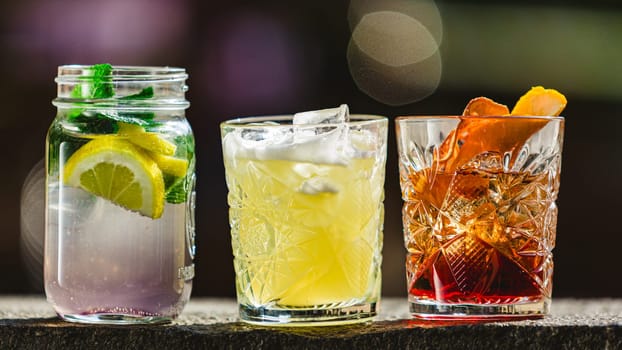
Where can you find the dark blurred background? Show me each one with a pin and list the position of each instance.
(389, 57)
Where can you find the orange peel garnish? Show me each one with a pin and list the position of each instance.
(476, 134)
(540, 102)
(483, 106)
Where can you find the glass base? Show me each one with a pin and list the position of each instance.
(320, 316)
(527, 309)
(115, 319)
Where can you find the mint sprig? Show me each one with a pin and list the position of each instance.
(102, 81)
(97, 86)
(144, 94)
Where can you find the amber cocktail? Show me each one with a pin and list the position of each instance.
(479, 213)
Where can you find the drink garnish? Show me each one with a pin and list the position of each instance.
(150, 141)
(540, 101)
(97, 85)
(116, 169)
(483, 106)
(170, 165)
(145, 93)
(131, 128)
(476, 134)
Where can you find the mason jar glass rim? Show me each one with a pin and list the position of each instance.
(74, 72)
(285, 120)
(168, 87)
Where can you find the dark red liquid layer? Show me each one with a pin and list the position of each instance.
(469, 270)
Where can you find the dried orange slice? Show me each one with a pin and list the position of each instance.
(541, 102)
(483, 106)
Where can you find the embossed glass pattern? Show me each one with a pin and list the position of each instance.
(306, 218)
(479, 215)
(120, 191)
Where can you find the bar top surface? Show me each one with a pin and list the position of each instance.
(28, 322)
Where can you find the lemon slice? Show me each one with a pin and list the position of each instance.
(170, 165)
(116, 169)
(540, 102)
(150, 141)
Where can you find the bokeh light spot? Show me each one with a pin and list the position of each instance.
(393, 56)
(424, 11)
(394, 86)
(393, 38)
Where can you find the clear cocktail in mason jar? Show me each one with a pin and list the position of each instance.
(120, 195)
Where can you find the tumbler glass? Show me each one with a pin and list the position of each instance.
(479, 213)
(306, 215)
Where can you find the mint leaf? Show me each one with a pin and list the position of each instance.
(98, 85)
(76, 92)
(144, 119)
(95, 86)
(102, 78)
(142, 95)
(187, 141)
(95, 123)
(175, 189)
(107, 123)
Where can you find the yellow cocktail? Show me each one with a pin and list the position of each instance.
(306, 231)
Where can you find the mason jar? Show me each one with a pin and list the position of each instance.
(119, 242)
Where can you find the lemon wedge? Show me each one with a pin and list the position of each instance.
(116, 169)
(150, 141)
(170, 165)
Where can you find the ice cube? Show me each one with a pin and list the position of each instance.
(327, 143)
(466, 204)
(317, 185)
(323, 116)
(315, 179)
(490, 162)
(258, 143)
(319, 144)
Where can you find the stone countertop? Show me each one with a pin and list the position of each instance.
(28, 322)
